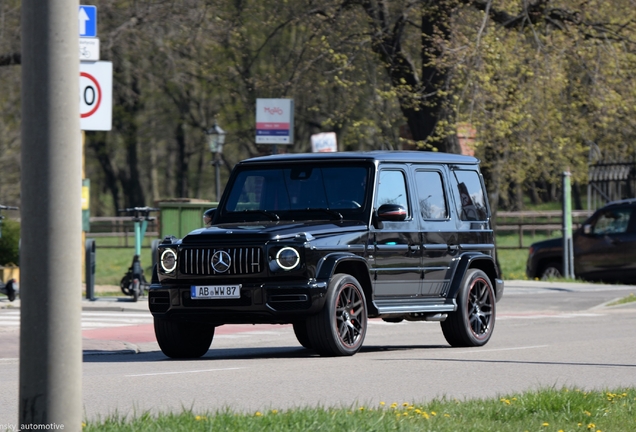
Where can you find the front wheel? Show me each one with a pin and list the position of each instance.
(474, 320)
(180, 340)
(340, 327)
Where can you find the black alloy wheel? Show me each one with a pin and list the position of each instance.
(339, 329)
(473, 322)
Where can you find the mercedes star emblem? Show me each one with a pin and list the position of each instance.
(221, 261)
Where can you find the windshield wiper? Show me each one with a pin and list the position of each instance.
(333, 213)
(273, 216)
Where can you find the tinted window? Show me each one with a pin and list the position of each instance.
(612, 221)
(298, 188)
(471, 201)
(392, 189)
(430, 195)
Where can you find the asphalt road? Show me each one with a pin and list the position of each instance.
(546, 334)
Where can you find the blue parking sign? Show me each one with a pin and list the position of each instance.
(87, 21)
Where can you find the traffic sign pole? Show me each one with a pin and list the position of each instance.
(50, 285)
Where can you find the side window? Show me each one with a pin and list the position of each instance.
(392, 189)
(430, 195)
(471, 199)
(612, 222)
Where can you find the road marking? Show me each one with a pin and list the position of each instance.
(500, 349)
(523, 315)
(90, 320)
(182, 372)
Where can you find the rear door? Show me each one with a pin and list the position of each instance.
(397, 251)
(438, 238)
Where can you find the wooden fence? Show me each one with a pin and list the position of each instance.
(525, 224)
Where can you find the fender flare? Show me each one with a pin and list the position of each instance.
(327, 265)
(466, 261)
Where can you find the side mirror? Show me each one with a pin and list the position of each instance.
(587, 229)
(208, 216)
(391, 212)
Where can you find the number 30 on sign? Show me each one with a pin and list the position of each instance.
(96, 95)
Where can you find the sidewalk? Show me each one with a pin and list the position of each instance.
(110, 303)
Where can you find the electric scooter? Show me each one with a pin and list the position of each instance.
(134, 282)
(11, 288)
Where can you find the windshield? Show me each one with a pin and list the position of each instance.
(299, 192)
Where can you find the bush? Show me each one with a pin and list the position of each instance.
(10, 242)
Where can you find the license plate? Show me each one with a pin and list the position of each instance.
(198, 292)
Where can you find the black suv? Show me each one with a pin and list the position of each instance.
(604, 248)
(325, 241)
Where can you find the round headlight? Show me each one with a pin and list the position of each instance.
(287, 258)
(168, 260)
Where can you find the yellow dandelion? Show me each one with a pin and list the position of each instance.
(258, 414)
(447, 415)
(561, 430)
(587, 413)
(405, 404)
(405, 414)
(433, 413)
(591, 426)
(425, 415)
(382, 404)
(394, 405)
(274, 411)
(83, 424)
(545, 424)
(361, 408)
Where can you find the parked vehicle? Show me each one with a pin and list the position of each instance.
(325, 241)
(604, 248)
(10, 289)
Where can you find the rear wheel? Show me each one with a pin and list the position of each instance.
(340, 327)
(474, 320)
(551, 271)
(183, 339)
(135, 288)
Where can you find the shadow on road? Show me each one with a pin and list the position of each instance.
(125, 356)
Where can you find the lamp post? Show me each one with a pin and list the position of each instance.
(216, 139)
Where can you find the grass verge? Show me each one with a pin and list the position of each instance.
(629, 299)
(542, 411)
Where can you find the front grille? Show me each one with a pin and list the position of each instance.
(198, 261)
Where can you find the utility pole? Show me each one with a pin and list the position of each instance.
(50, 285)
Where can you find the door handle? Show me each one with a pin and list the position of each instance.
(453, 248)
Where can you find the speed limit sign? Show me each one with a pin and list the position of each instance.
(96, 95)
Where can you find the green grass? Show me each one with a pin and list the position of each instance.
(548, 410)
(629, 299)
(113, 262)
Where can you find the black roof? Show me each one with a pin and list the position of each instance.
(378, 155)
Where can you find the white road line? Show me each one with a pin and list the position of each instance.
(182, 372)
(474, 351)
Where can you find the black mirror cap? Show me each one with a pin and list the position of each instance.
(392, 212)
(208, 216)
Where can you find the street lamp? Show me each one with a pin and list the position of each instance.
(216, 139)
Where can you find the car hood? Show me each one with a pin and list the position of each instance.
(264, 231)
(545, 244)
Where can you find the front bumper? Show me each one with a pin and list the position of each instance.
(499, 289)
(260, 303)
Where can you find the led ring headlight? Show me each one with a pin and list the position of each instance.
(168, 260)
(287, 258)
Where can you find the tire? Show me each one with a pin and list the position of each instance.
(180, 340)
(340, 327)
(551, 271)
(124, 284)
(135, 289)
(300, 330)
(473, 322)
